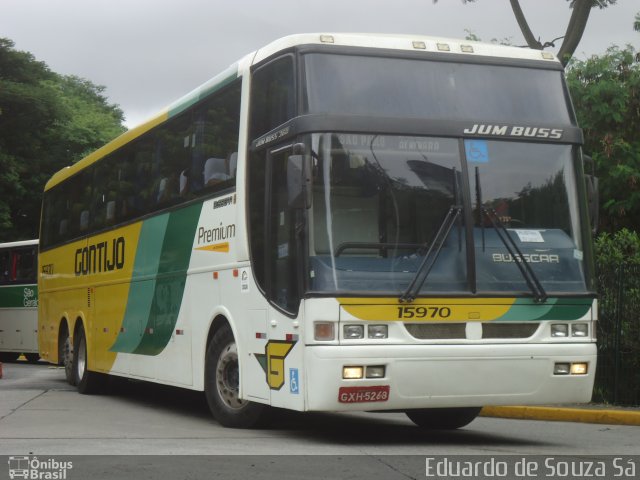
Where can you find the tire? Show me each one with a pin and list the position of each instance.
(32, 357)
(443, 418)
(65, 356)
(86, 381)
(221, 385)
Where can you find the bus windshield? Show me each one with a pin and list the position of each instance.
(379, 200)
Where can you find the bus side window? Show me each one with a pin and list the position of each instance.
(5, 267)
(272, 96)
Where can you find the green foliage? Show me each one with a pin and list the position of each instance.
(606, 94)
(47, 121)
(621, 247)
(618, 268)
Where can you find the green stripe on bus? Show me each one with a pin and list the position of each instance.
(217, 83)
(19, 296)
(171, 280)
(525, 309)
(143, 284)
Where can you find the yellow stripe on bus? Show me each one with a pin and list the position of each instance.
(427, 309)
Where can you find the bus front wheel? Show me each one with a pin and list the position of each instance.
(87, 382)
(221, 386)
(443, 418)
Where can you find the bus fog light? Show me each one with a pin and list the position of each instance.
(375, 371)
(353, 331)
(580, 330)
(352, 373)
(559, 330)
(561, 369)
(323, 331)
(579, 368)
(378, 331)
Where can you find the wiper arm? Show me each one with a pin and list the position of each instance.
(540, 295)
(425, 267)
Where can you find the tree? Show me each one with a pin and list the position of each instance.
(575, 28)
(606, 95)
(47, 121)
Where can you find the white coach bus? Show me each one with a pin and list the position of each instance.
(335, 223)
(18, 301)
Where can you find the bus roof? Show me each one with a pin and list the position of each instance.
(21, 243)
(415, 43)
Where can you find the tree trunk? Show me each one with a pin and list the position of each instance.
(524, 26)
(575, 29)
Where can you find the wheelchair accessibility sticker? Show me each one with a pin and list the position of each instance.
(477, 151)
(293, 381)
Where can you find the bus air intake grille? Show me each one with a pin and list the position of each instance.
(509, 330)
(437, 331)
(458, 331)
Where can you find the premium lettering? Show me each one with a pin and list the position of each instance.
(222, 232)
(100, 257)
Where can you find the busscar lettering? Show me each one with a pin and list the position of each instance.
(100, 257)
(223, 202)
(528, 257)
(483, 129)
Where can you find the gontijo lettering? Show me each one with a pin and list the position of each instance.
(100, 257)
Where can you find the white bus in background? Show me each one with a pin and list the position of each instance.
(335, 223)
(18, 300)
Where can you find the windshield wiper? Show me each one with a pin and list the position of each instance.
(528, 274)
(540, 295)
(436, 245)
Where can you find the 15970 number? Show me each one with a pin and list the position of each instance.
(423, 312)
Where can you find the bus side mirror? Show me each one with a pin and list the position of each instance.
(299, 182)
(593, 200)
(593, 193)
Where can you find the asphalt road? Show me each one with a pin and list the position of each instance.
(41, 415)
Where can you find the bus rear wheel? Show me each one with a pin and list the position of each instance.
(443, 418)
(87, 382)
(221, 386)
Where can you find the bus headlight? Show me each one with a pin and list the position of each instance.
(580, 330)
(378, 331)
(353, 332)
(559, 330)
(375, 371)
(579, 368)
(352, 373)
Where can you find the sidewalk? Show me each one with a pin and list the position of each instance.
(587, 413)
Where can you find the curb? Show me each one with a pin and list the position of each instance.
(582, 415)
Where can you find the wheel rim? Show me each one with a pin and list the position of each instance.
(228, 378)
(82, 357)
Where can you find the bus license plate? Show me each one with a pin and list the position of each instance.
(379, 393)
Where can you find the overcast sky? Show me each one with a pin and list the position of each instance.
(148, 53)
